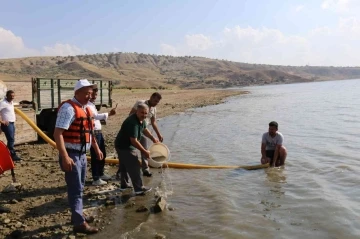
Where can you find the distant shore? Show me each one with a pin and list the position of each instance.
(40, 208)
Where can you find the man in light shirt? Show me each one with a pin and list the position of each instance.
(97, 166)
(73, 137)
(272, 148)
(150, 120)
(8, 122)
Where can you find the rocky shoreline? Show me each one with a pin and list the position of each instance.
(39, 207)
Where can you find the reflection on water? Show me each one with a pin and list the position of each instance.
(314, 196)
(276, 175)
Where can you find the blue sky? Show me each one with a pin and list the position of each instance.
(318, 32)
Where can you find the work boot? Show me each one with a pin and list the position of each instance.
(85, 228)
(88, 219)
(4, 209)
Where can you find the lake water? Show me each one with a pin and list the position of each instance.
(316, 195)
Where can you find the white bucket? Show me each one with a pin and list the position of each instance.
(159, 154)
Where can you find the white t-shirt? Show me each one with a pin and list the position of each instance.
(152, 111)
(271, 142)
(97, 116)
(7, 111)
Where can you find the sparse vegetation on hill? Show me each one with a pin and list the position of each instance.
(157, 71)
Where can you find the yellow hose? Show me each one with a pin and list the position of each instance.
(34, 126)
(199, 166)
(116, 161)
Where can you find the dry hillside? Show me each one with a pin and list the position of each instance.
(144, 71)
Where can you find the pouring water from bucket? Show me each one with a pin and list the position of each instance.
(159, 154)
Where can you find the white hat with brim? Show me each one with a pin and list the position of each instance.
(82, 83)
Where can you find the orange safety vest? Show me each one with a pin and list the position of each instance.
(81, 128)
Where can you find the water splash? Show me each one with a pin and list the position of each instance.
(165, 188)
(132, 233)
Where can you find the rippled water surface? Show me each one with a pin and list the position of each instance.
(316, 195)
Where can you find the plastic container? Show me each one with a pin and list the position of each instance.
(159, 154)
(6, 162)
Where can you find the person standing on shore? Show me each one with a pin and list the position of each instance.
(73, 137)
(97, 166)
(272, 149)
(150, 120)
(8, 122)
(126, 143)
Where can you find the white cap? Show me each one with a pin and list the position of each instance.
(82, 83)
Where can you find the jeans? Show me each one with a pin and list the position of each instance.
(9, 131)
(75, 181)
(97, 166)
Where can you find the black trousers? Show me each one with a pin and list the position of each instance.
(97, 166)
(129, 164)
(270, 154)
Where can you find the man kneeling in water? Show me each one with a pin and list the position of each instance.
(272, 150)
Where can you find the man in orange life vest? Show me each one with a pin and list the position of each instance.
(74, 136)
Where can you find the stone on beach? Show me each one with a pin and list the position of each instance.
(160, 205)
(12, 187)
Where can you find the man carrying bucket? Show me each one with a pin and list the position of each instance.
(126, 143)
(73, 136)
(150, 120)
(8, 122)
